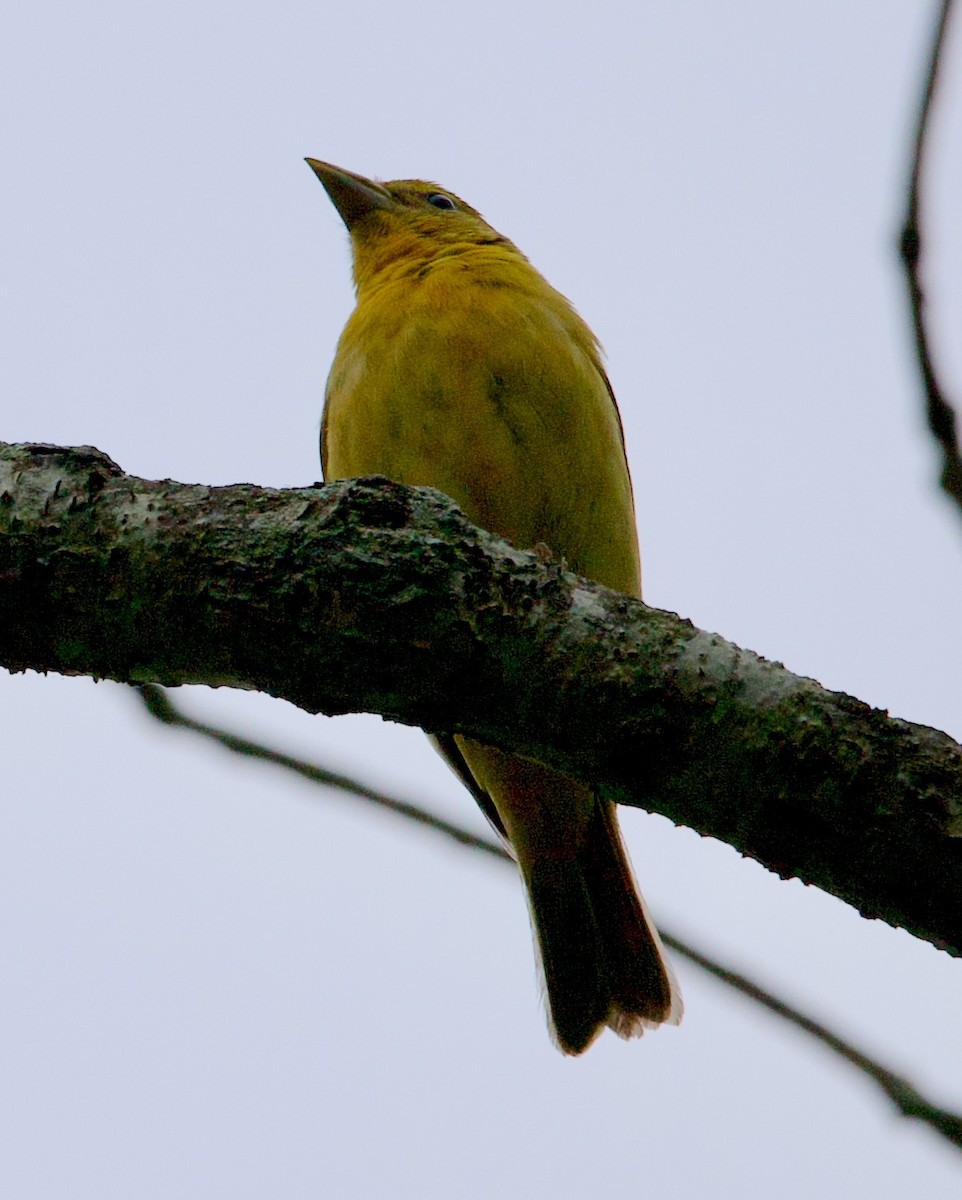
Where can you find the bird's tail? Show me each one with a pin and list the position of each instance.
(601, 956)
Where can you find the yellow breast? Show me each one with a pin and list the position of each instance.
(469, 373)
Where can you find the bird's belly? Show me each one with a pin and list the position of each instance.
(526, 442)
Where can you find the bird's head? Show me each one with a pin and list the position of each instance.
(406, 221)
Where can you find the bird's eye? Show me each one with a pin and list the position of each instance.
(439, 200)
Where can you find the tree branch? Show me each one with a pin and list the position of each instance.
(367, 596)
(938, 410)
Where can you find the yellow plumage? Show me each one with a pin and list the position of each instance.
(463, 369)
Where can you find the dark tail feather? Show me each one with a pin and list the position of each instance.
(571, 951)
(601, 955)
(643, 990)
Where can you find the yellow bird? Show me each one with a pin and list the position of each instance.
(461, 368)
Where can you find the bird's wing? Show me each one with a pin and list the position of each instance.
(448, 748)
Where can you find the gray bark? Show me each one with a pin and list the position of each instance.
(368, 596)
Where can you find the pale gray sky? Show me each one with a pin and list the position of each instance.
(218, 983)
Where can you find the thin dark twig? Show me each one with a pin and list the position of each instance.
(159, 706)
(939, 412)
(907, 1099)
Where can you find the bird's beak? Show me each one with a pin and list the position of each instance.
(352, 195)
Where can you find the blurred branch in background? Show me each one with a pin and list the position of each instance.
(906, 1098)
(939, 412)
